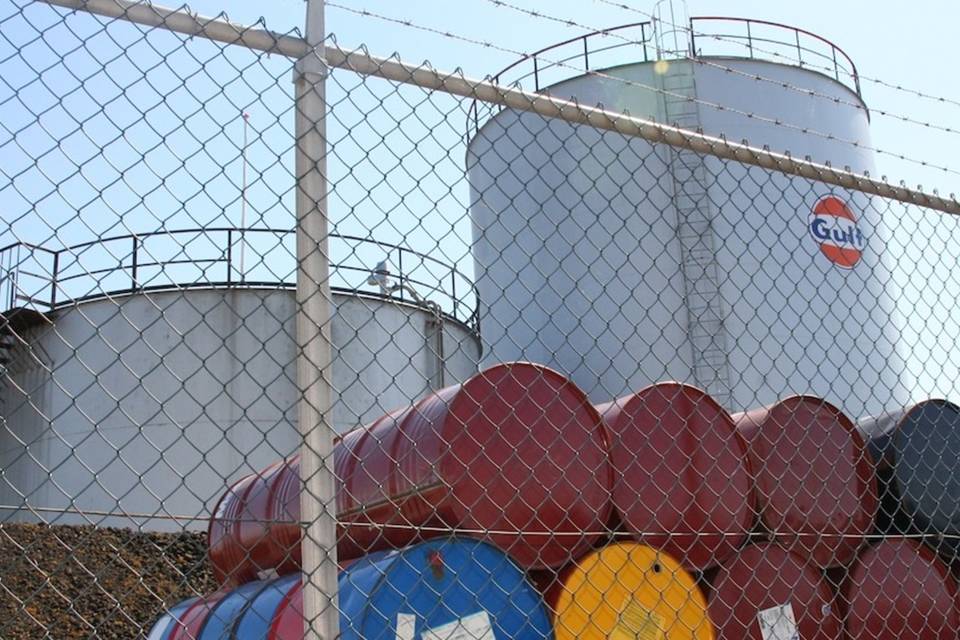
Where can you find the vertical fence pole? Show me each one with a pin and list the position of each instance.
(317, 500)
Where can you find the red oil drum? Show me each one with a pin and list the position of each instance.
(516, 456)
(681, 480)
(813, 478)
(250, 532)
(767, 592)
(899, 589)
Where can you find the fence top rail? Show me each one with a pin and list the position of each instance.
(456, 83)
(579, 63)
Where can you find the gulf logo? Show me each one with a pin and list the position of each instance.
(835, 229)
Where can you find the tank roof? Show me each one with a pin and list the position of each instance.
(38, 279)
(721, 36)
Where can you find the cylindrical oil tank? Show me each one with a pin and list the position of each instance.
(149, 405)
(813, 477)
(917, 451)
(628, 590)
(452, 588)
(900, 589)
(515, 455)
(579, 250)
(681, 480)
(767, 592)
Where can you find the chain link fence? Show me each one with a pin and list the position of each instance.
(298, 341)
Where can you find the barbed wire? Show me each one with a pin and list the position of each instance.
(860, 106)
(856, 104)
(700, 101)
(897, 87)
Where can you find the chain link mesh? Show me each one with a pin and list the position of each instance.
(584, 384)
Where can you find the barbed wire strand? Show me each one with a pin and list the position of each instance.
(896, 87)
(856, 104)
(860, 106)
(700, 101)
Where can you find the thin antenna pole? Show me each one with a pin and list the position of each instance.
(243, 197)
(314, 352)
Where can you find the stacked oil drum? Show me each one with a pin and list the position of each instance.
(656, 515)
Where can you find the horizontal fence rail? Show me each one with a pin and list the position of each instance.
(635, 42)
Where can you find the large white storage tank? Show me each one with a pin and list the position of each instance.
(146, 404)
(622, 263)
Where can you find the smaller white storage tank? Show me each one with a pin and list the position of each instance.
(150, 402)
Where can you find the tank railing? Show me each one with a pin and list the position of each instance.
(46, 279)
(828, 58)
(573, 64)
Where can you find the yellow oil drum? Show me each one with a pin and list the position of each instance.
(628, 591)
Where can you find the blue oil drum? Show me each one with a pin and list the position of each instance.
(446, 588)
(256, 620)
(440, 589)
(165, 626)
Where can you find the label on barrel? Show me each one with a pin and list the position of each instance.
(778, 623)
(475, 626)
(639, 623)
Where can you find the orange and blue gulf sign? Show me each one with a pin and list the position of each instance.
(835, 228)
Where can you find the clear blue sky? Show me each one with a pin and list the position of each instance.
(906, 44)
(908, 47)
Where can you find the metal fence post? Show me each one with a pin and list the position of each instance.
(317, 500)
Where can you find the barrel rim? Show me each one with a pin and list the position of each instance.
(614, 415)
(264, 585)
(842, 550)
(815, 578)
(386, 572)
(169, 618)
(897, 435)
(465, 513)
(595, 558)
(849, 591)
(210, 601)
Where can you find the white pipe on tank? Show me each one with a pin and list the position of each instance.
(314, 358)
(671, 29)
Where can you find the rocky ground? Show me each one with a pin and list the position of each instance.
(65, 582)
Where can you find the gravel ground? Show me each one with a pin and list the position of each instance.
(65, 582)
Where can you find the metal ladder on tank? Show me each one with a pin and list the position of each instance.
(698, 242)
